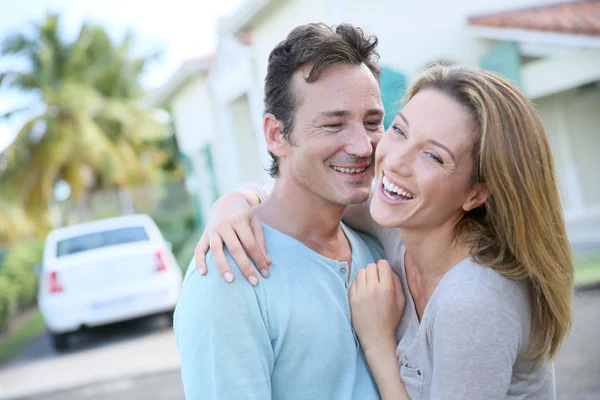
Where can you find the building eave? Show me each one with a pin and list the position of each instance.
(165, 93)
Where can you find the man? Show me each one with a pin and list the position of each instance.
(290, 337)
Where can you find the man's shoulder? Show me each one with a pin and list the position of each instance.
(367, 242)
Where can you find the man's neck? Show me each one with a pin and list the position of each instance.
(298, 213)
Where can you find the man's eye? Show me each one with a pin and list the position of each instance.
(334, 126)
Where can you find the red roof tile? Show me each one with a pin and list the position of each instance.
(579, 17)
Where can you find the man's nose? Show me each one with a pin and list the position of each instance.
(360, 143)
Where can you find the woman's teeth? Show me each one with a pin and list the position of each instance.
(349, 170)
(390, 187)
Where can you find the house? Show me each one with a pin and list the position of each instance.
(551, 51)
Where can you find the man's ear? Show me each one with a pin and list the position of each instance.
(273, 136)
(478, 194)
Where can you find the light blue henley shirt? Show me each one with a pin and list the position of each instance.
(288, 338)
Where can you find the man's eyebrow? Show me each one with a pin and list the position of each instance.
(333, 113)
(375, 111)
(344, 113)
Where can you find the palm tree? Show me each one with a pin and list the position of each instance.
(88, 116)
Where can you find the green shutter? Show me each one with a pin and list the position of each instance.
(197, 209)
(505, 60)
(393, 87)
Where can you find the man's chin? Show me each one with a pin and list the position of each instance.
(357, 197)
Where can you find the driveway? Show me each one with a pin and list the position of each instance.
(106, 354)
(139, 360)
(578, 362)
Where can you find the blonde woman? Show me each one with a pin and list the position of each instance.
(466, 205)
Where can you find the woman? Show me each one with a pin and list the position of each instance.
(465, 177)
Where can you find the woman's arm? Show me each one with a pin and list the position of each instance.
(476, 337)
(233, 224)
(377, 301)
(386, 369)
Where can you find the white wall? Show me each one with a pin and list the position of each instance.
(572, 122)
(196, 126)
(192, 101)
(411, 34)
(414, 33)
(275, 25)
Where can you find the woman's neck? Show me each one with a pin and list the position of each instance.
(433, 252)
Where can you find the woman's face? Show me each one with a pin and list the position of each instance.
(424, 165)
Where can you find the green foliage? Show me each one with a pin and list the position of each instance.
(186, 253)
(89, 124)
(8, 302)
(18, 281)
(176, 229)
(19, 269)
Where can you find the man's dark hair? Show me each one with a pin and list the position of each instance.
(320, 47)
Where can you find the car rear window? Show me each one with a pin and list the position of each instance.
(96, 240)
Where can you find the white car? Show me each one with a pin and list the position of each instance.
(105, 271)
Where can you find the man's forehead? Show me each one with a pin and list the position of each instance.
(342, 73)
(372, 111)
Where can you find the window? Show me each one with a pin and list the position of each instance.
(96, 240)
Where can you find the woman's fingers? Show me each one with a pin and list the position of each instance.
(200, 253)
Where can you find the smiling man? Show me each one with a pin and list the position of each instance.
(290, 337)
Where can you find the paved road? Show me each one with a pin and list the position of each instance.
(578, 362)
(127, 350)
(165, 386)
(577, 366)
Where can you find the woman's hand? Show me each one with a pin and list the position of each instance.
(377, 302)
(233, 223)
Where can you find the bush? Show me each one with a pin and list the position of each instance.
(19, 270)
(8, 302)
(176, 229)
(185, 254)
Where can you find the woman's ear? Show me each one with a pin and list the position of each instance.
(478, 194)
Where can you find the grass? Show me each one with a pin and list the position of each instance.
(29, 327)
(587, 269)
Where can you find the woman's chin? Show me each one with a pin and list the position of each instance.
(383, 217)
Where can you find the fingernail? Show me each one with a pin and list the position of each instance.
(253, 280)
(228, 277)
(264, 273)
(202, 271)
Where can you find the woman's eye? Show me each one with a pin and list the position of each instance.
(334, 126)
(435, 158)
(399, 130)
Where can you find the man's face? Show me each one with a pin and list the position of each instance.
(337, 125)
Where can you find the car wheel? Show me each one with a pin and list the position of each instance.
(60, 341)
(169, 315)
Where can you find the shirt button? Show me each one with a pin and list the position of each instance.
(343, 270)
(419, 372)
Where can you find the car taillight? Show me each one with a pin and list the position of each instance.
(54, 285)
(160, 262)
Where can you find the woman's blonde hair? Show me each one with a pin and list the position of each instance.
(520, 230)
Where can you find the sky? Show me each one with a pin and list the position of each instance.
(182, 29)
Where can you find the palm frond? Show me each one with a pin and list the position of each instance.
(11, 113)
